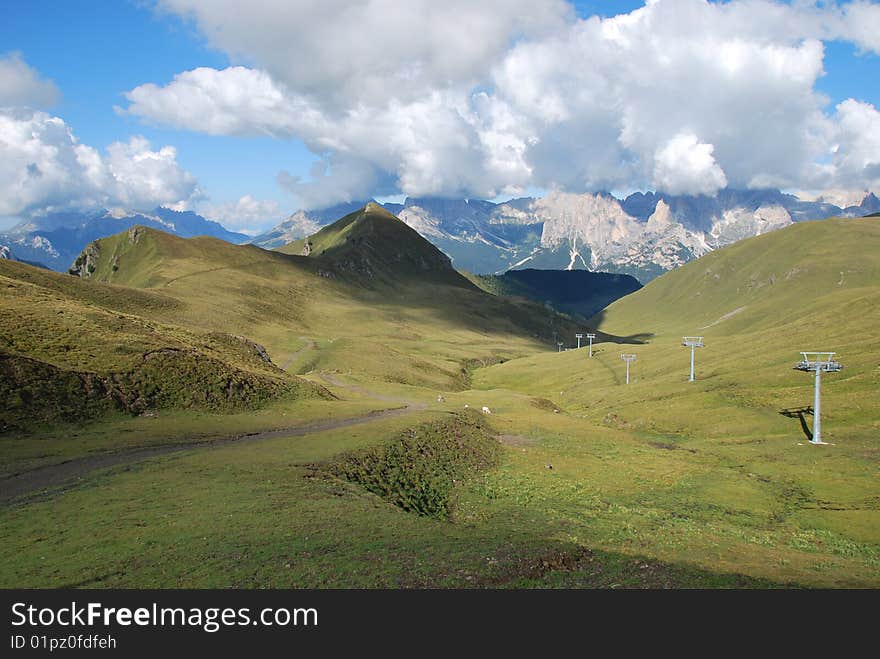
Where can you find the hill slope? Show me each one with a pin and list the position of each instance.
(789, 277)
(304, 223)
(372, 298)
(372, 244)
(811, 286)
(73, 350)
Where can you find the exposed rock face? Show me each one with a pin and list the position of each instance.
(256, 348)
(299, 225)
(739, 223)
(86, 262)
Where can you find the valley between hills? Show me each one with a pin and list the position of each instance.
(348, 410)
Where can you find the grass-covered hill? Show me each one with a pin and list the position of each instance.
(154, 320)
(721, 469)
(757, 303)
(570, 291)
(811, 275)
(72, 349)
(575, 479)
(372, 246)
(811, 286)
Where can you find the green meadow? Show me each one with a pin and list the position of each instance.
(376, 466)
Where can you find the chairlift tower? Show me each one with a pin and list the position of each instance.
(559, 345)
(692, 342)
(818, 363)
(591, 337)
(579, 337)
(628, 359)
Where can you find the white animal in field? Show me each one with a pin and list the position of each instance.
(486, 410)
(466, 406)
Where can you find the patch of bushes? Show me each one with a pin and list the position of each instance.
(417, 470)
(544, 404)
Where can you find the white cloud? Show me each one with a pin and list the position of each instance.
(861, 24)
(482, 99)
(362, 51)
(856, 152)
(234, 101)
(246, 214)
(44, 166)
(22, 85)
(686, 166)
(142, 178)
(334, 180)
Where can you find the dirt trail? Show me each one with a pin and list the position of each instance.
(67, 473)
(310, 345)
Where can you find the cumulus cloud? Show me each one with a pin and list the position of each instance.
(141, 178)
(346, 51)
(234, 101)
(335, 180)
(483, 99)
(246, 214)
(686, 166)
(20, 85)
(44, 166)
(856, 151)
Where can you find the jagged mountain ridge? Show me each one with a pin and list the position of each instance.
(55, 239)
(643, 235)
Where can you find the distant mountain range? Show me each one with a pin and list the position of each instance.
(643, 235)
(56, 239)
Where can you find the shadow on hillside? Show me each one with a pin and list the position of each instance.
(800, 413)
(632, 339)
(453, 300)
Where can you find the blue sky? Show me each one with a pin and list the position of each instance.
(96, 51)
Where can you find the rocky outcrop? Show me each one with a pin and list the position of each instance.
(86, 262)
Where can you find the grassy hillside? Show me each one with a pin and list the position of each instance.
(371, 246)
(574, 479)
(768, 281)
(812, 286)
(373, 299)
(153, 320)
(738, 436)
(73, 350)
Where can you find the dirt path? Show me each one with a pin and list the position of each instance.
(310, 345)
(67, 473)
